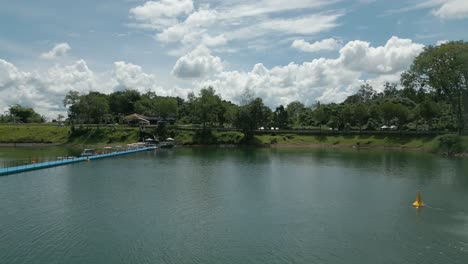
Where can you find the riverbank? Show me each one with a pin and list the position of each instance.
(442, 144)
(47, 135)
(31, 135)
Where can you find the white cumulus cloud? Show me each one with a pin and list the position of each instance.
(321, 79)
(326, 80)
(325, 44)
(453, 9)
(445, 9)
(127, 76)
(58, 51)
(44, 90)
(311, 24)
(198, 63)
(395, 55)
(161, 13)
(226, 22)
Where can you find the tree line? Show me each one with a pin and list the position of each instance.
(431, 95)
(19, 114)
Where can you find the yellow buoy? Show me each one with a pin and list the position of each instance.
(418, 202)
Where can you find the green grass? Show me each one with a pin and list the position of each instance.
(106, 135)
(62, 135)
(213, 138)
(363, 141)
(33, 134)
(103, 135)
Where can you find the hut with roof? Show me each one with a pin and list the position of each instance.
(136, 119)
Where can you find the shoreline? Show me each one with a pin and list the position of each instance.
(349, 146)
(30, 144)
(277, 146)
(311, 146)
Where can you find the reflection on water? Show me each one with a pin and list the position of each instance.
(14, 156)
(212, 205)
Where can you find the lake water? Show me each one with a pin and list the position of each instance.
(239, 206)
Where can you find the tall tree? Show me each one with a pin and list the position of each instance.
(25, 114)
(281, 117)
(71, 99)
(321, 115)
(360, 114)
(444, 69)
(294, 110)
(390, 89)
(207, 106)
(123, 102)
(394, 113)
(428, 110)
(251, 116)
(166, 106)
(95, 106)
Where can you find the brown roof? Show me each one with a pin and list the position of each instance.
(135, 116)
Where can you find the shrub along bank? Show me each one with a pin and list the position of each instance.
(449, 144)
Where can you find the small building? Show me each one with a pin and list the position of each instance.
(136, 119)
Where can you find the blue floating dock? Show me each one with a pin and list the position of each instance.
(56, 163)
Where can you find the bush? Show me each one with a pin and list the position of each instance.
(450, 144)
(205, 137)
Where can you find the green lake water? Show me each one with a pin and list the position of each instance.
(238, 206)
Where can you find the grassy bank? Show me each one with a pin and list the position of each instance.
(103, 136)
(443, 144)
(64, 135)
(447, 144)
(33, 134)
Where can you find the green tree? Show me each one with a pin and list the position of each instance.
(321, 115)
(394, 113)
(428, 110)
(345, 116)
(294, 110)
(145, 106)
(25, 114)
(365, 94)
(165, 107)
(390, 89)
(280, 118)
(207, 107)
(360, 114)
(94, 107)
(306, 117)
(123, 102)
(251, 116)
(230, 113)
(71, 99)
(444, 69)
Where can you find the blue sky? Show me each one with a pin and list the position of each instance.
(304, 50)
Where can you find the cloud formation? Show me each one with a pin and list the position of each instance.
(321, 79)
(327, 80)
(59, 50)
(445, 9)
(126, 76)
(224, 22)
(452, 9)
(162, 13)
(325, 44)
(45, 90)
(198, 63)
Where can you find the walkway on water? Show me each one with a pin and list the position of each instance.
(56, 163)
